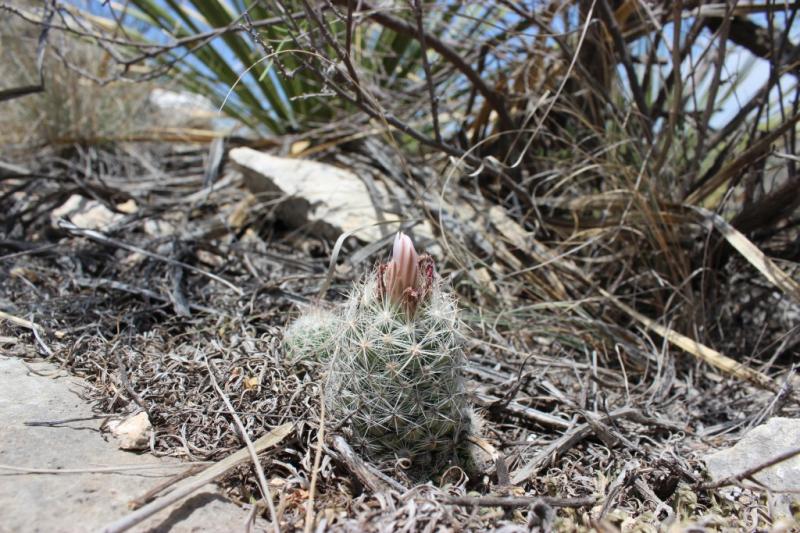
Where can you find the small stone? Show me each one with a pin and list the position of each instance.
(251, 382)
(132, 433)
(85, 213)
(128, 207)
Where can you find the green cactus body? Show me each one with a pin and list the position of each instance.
(310, 337)
(396, 377)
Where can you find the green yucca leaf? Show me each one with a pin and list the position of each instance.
(233, 69)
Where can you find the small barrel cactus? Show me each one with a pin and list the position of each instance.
(310, 337)
(396, 369)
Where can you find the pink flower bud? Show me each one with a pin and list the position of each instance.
(402, 271)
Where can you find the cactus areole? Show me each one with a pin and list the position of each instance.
(396, 374)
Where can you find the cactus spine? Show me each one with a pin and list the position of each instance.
(310, 337)
(396, 368)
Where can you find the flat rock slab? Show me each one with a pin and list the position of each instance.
(331, 199)
(327, 199)
(73, 502)
(760, 445)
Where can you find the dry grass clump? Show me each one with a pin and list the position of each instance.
(73, 108)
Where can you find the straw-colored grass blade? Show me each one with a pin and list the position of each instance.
(754, 256)
(700, 351)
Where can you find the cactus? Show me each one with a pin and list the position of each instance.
(310, 337)
(396, 372)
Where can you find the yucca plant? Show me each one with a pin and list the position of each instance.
(253, 59)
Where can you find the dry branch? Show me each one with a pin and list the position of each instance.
(181, 491)
(521, 501)
(371, 479)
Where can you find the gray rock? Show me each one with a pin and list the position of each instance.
(329, 199)
(72, 502)
(133, 433)
(757, 447)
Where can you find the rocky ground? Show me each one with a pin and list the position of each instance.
(60, 473)
(168, 273)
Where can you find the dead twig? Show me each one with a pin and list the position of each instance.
(516, 408)
(93, 470)
(573, 437)
(56, 423)
(102, 283)
(370, 477)
(19, 321)
(148, 496)
(262, 479)
(99, 237)
(511, 502)
(208, 475)
(126, 382)
(400, 26)
(317, 461)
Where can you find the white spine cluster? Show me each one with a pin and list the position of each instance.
(395, 358)
(398, 380)
(311, 336)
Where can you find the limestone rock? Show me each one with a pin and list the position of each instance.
(133, 433)
(758, 446)
(330, 199)
(88, 500)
